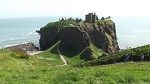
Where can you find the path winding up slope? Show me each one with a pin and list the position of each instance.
(62, 58)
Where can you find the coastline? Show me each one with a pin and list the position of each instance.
(11, 45)
(27, 47)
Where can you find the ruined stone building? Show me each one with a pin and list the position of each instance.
(91, 18)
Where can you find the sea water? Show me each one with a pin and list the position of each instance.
(131, 31)
(21, 30)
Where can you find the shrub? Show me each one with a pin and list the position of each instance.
(135, 55)
(20, 53)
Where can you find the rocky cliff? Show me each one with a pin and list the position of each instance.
(75, 36)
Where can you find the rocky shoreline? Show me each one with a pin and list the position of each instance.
(28, 48)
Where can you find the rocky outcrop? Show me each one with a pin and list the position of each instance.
(103, 36)
(48, 37)
(87, 54)
(72, 38)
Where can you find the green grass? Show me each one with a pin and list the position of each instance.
(96, 51)
(62, 24)
(51, 54)
(135, 55)
(111, 74)
(39, 71)
(74, 60)
(103, 22)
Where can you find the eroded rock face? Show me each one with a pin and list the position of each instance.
(78, 38)
(73, 39)
(87, 54)
(102, 36)
(48, 37)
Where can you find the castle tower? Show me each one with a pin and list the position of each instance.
(91, 18)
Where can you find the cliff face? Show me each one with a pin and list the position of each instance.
(103, 35)
(48, 37)
(75, 38)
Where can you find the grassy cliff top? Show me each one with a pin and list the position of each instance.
(105, 22)
(72, 23)
(62, 24)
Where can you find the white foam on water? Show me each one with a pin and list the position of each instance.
(13, 45)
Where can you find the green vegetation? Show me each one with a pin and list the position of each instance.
(19, 53)
(39, 71)
(103, 22)
(124, 73)
(135, 55)
(51, 54)
(62, 24)
(96, 51)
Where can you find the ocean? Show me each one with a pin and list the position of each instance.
(131, 31)
(21, 30)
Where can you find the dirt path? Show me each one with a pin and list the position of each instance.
(33, 52)
(62, 58)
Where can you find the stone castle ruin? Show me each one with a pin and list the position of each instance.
(91, 18)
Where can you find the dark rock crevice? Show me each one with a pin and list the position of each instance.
(48, 37)
(74, 40)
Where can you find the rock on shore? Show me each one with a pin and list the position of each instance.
(25, 47)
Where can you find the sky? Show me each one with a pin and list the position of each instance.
(34, 8)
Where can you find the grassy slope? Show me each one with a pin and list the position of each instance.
(135, 55)
(96, 51)
(33, 70)
(76, 59)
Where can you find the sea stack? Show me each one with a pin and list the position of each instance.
(75, 35)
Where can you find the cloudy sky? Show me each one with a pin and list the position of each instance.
(33, 8)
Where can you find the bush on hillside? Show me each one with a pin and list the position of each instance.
(135, 55)
(19, 53)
